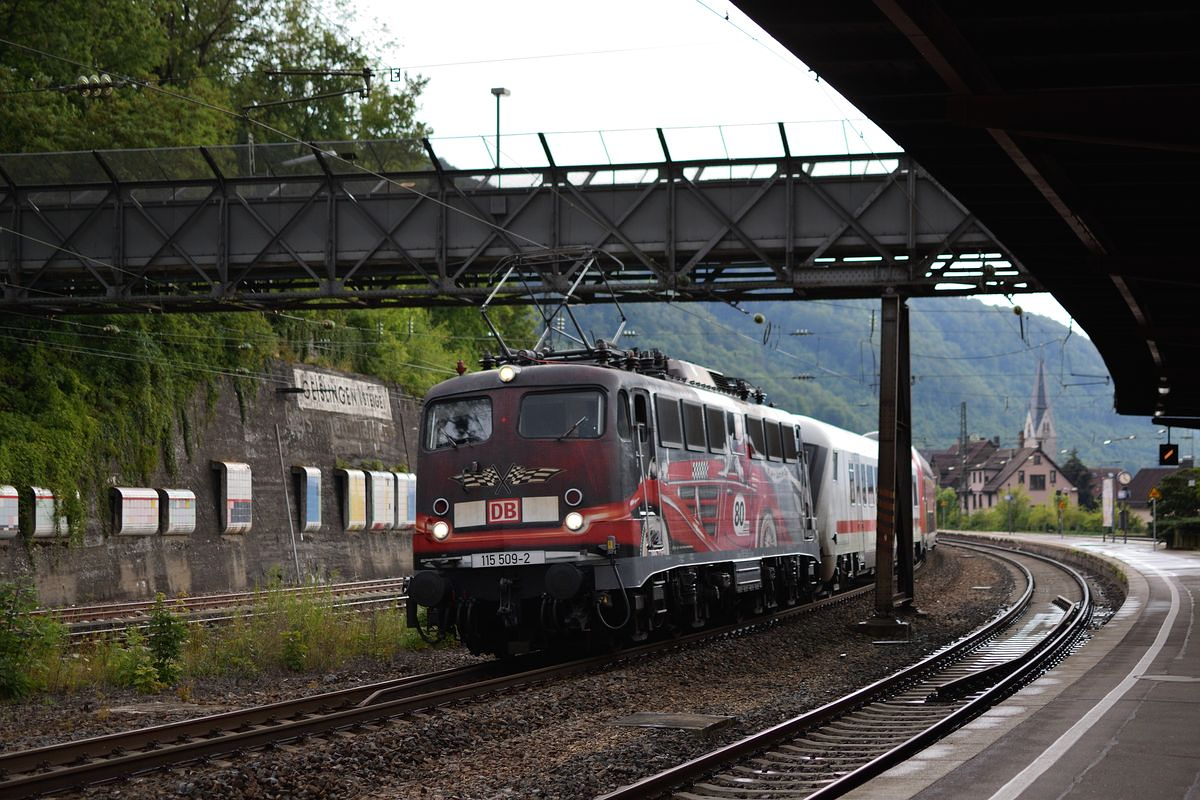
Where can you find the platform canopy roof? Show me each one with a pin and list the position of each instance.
(1068, 129)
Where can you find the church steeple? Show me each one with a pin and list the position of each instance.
(1039, 421)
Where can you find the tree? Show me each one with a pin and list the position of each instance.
(949, 514)
(1179, 509)
(185, 70)
(1080, 476)
(1180, 494)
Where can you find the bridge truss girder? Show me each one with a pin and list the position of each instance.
(730, 229)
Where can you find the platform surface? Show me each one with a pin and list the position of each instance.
(1119, 719)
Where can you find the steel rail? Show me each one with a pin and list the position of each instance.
(109, 610)
(114, 756)
(1004, 679)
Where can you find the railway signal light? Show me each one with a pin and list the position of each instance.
(1168, 455)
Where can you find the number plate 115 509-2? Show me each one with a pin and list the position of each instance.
(512, 558)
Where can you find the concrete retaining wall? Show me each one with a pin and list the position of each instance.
(272, 431)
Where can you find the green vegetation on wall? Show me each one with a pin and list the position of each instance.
(86, 400)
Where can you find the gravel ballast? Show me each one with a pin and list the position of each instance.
(554, 741)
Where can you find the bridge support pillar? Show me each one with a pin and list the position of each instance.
(894, 497)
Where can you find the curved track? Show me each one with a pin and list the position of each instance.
(837, 747)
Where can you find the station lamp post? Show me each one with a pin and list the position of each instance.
(1120, 438)
(499, 91)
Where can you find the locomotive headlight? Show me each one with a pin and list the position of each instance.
(509, 373)
(574, 521)
(441, 529)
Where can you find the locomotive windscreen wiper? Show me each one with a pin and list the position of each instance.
(448, 438)
(571, 429)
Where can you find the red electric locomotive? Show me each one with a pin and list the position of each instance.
(602, 494)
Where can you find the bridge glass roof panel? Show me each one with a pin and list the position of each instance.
(175, 164)
(632, 146)
(52, 169)
(834, 137)
(465, 152)
(387, 155)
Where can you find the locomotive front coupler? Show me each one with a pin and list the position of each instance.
(509, 602)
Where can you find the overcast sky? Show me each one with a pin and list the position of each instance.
(600, 77)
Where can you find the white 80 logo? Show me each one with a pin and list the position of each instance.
(739, 514)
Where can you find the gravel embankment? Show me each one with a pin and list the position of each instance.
(557, 741)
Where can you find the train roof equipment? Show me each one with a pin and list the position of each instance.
(596, 351)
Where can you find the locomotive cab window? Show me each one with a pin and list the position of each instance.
(450, 423)
(624, 427)
(562, 415)
(791, 443)
(754, 432)
(715, 420)
(693, 425)
(670, 427)
(774, 440)
(641, 417)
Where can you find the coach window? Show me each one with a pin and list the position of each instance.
(714, 419)
(451, 423)
(835, 465)
(670, 427)
(791, 443)
(754, 432)
(562, 415)
(693, 425)
(872, 476)
(852, 477)
(774, 440)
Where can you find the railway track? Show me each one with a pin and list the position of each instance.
(116, 756)
(833, 749)
(86, 621)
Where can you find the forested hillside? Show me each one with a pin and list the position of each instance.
(821, 358)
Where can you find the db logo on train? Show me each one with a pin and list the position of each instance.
(499, 511)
